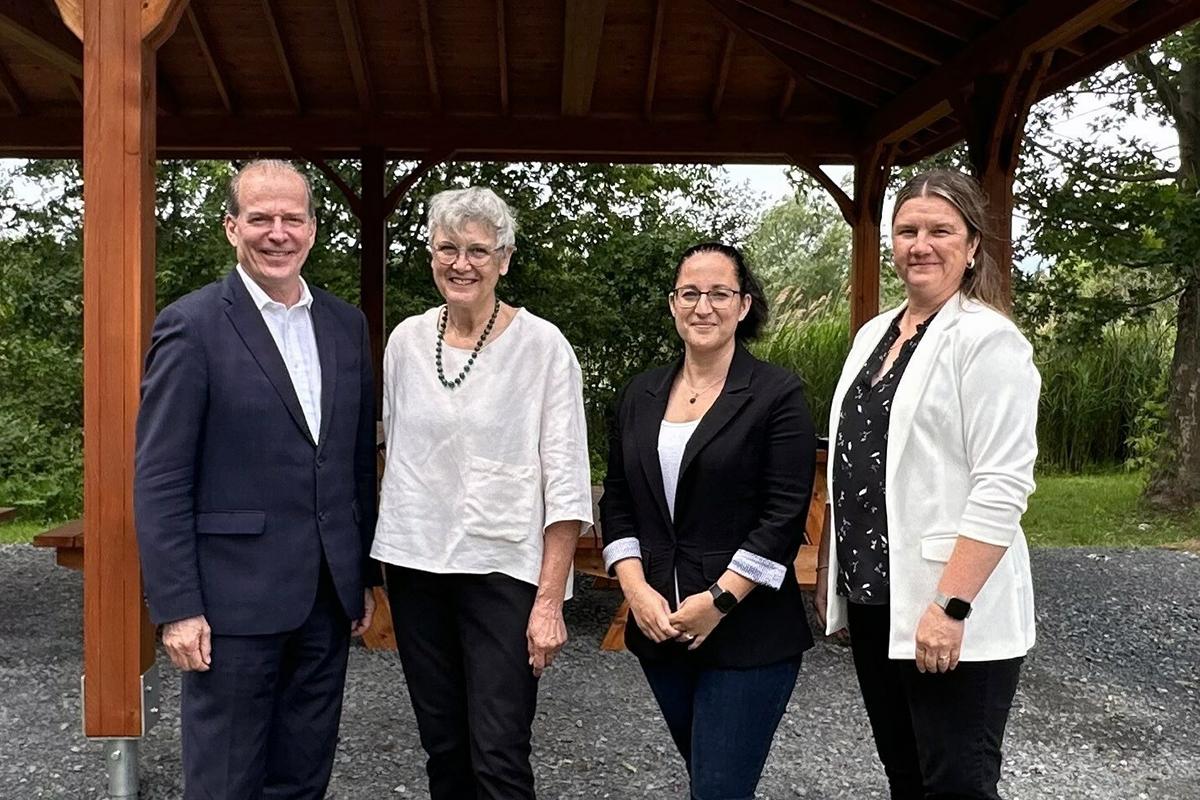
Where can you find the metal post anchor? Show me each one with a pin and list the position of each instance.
(121, 759)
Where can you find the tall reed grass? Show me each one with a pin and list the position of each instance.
(1099, 400)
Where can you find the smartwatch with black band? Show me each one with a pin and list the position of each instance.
(955, 607)
(723, 600)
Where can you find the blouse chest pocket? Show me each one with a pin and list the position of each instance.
(500, 499)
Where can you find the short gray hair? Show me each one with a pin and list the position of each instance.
(232, 203)
(453, 209)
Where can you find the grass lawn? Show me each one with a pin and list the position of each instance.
(1092, 510)
(1102, 511)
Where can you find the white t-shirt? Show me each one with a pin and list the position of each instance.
(672, 440)
(475, 474)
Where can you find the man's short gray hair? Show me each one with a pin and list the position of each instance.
(453, 209)
(266, 165)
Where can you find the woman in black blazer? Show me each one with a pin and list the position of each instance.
(710, 470)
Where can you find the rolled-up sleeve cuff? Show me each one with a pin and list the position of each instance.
(754, 567)
(621, 549)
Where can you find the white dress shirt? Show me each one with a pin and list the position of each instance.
(292, 330)
(475, 474)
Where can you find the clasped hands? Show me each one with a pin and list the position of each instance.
(693, 622)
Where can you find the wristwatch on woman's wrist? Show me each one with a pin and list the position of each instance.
(955, 607)
(723, 600)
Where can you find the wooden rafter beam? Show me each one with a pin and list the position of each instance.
(502, 54)
(281, 51)
(851, 41)
(948, 18)
(214, 69)
(355, 52)
(765, 26)
(993, 9)
(12, 91)
(165, 92)
(886, 26)
(32, 27)
(435, 93)
(1033, 28)
(569, 139)
(799, 63)
(722, 73)
(660, 8)
(352, 198)
(583, 27)
(844, 202)
(75, 86)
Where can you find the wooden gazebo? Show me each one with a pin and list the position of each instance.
(809, 82)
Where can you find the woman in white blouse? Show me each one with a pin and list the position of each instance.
(485, 493)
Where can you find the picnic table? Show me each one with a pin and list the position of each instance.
(7, 514)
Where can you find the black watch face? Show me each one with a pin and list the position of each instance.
(725, 602)
(957, 609)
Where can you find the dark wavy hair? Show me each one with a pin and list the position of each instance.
(756, 318)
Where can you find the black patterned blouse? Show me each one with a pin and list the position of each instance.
(860, 454)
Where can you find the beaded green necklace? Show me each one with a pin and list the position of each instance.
(462, 376)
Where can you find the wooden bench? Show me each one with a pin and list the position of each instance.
(67, 541)
(7, 514)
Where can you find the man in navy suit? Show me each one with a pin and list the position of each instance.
(255, 501)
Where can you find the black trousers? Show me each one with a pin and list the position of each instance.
(462, 645)
(262, 722)
(937, 734)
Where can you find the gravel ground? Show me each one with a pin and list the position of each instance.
(1109, 704)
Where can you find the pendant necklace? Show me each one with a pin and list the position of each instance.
(697, 392)
(442, 319)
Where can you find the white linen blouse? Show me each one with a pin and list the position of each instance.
(475, 474)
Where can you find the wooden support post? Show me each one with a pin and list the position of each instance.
(994, 114)
(372, 277)
(119, 42)
(871, 171)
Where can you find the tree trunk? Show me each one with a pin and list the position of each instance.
(1175, 482)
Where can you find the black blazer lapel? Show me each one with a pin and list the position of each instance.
(648, 416)
(735, 395)
(248, 322)
(324, 328)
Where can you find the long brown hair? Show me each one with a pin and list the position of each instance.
(982, 280)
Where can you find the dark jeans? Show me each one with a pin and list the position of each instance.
(937, 734)
(262, 722)
(723, 721)
(462, 645)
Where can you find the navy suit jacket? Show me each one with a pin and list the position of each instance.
(234, 501)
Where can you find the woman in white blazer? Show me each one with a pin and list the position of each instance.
(932, 430)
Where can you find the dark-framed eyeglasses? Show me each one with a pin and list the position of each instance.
(477, 255)
(718, 298)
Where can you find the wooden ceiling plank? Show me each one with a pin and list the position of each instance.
(355, 52)
(12, 91)
(214, 69)
(723, 73)
(1032, 28)
(285, 64)
(435, 93)
(583, 26)
(888, 27)
(992, 9)
(850, 40)
(75, 86)
(502, 55)
(952, 20)
(800, 64)
(786, 97)
(168, 102)
(765, 26)
(655, 48)
(31, 26)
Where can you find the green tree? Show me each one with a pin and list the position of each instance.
(1121, 223)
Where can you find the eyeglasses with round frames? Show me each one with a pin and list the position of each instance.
(477, 255)
(718, 298)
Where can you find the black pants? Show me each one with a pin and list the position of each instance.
(262, 722)
(937, 734)
(462, 645)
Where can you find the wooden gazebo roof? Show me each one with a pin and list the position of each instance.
(670, 80)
